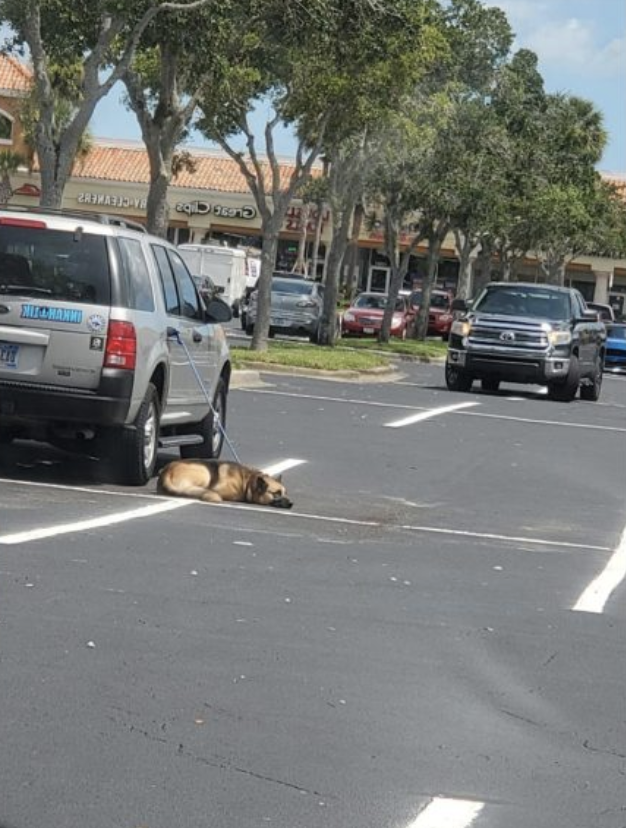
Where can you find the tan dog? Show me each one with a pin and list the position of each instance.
(216, 480)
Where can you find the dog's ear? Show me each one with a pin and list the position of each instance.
(260, 485)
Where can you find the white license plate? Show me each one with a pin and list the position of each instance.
(9, 354)
(369, 330)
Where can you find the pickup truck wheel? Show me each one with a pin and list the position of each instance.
(492, 385)
(133, 451)
(566, 391)
(457, 379)
(210, 429)
(592, 392)
(6, 436)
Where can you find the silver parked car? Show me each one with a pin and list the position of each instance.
(92, 314)
(296, 307)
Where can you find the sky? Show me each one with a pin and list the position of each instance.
(581, 45)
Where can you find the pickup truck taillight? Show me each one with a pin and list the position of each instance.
(121, 347)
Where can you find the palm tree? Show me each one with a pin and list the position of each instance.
(9, 163)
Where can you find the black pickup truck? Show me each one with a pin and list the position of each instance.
(527, 333)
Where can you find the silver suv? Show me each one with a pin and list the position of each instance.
(296, 307)
(93, 311)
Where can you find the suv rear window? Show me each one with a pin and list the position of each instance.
(54, 264)
(298, 286)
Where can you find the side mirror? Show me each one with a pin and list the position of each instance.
(590, 315)
(217, 310)
(459, 305)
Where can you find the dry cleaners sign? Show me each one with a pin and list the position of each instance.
(112, 200)
(204, 208)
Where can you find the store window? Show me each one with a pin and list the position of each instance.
(178, 235)
(6, 128)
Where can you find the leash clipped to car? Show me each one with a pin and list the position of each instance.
(172, 333)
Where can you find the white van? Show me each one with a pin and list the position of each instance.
(226, 266)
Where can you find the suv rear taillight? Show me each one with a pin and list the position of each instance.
(121, 347)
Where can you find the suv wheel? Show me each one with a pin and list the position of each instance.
(134, 450)
(210, 428)
(457, 379)
(491, 385)
(566, 391)
(592, 392)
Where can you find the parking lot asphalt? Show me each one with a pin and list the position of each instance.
(431, 638)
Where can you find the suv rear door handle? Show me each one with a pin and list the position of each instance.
(196, 336)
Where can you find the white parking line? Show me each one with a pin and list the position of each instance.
(283, 465)
(595, 597)
(427, 415)
(167, 504)
(448, 813)
(401, 407)
(92, 523)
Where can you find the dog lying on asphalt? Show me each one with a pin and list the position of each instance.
(216, 480)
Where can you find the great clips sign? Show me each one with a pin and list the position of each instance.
(204, 208)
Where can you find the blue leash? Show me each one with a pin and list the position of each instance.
(172, 333)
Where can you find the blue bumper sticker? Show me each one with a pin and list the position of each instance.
(74, 317)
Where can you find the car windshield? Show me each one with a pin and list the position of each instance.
(73, 267)
(616, 331)
(296, 286)
(526, 301)
(437, 300)
(376, 301)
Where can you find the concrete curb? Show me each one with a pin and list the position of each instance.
(372, 375)
(250, 376)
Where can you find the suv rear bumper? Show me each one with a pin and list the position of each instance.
(106, 406)
(531, 369)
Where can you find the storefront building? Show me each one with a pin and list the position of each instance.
(213, 204)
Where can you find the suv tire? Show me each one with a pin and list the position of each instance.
(490, 385)
(133, 451)
(592, 392)
(210, 430)
(457, 379)
(566, 391)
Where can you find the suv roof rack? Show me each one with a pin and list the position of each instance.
(100, 218)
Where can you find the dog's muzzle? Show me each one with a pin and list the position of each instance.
(282, 502)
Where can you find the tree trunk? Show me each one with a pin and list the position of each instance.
(6, 190)
(269, 249)
(392, 249)
(435, 240)
(317, 239)
(160, 177)
(300, 263)
(336, 254)
(466, 249)
(482, 270)
(53, 174)
(554, 270)
(352, 252)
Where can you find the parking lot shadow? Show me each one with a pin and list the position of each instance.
(42, 463)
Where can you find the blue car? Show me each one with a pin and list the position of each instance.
(615, 359)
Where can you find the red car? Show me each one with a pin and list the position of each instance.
(364, 317)
(440, 313)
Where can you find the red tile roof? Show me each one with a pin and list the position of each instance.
(127, 162)
(14, 76)
(618, 181)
